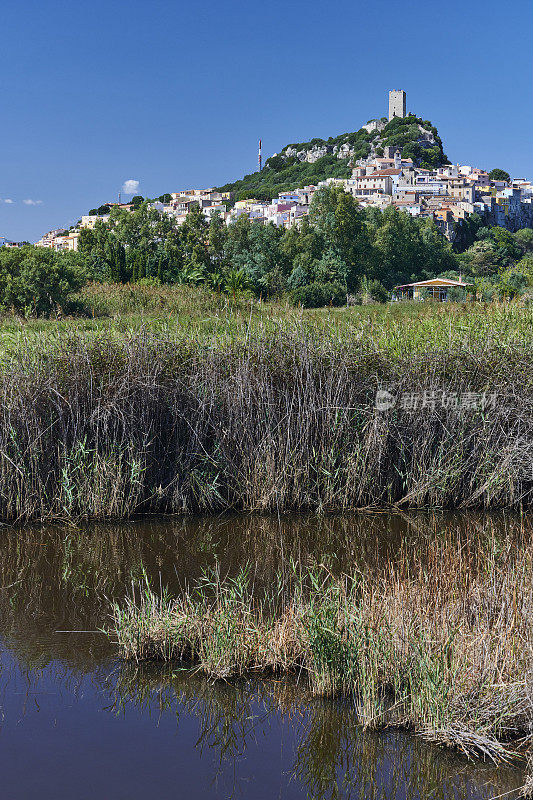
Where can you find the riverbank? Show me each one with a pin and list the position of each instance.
(437, 640)
(270, 414)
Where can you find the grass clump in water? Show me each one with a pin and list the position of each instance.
(439, 641)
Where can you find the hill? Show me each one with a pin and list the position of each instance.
(305, 163)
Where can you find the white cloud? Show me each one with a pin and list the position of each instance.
(130, 186)
(7, 200)
(30, 202)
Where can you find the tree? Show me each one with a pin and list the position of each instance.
(218, 236)
(303, 248)
(481, 260)
(336, 215)
(409, 248)
(377, 291)
(467, 230)
(512, 282)
(120, 263)
(34, 280)
(103, 210)
(143, 243)
(507, 246)
(524, 239)
(331, 268)
(140, 267)
(499, 175)
(194, 241)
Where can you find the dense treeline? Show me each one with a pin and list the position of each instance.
(499, 262)
(341, 246)
(342, 251)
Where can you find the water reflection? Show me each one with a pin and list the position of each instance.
(76, 722)
(331, 757)
(122, 728)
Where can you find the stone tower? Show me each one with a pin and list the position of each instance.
(396, 103)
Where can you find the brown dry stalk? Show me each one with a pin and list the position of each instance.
(440, 640)
(111, 426)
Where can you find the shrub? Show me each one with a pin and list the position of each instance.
(317, 295)
(34, 280)
(377, 291)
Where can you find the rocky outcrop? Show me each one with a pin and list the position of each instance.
(373, 135)
(318, 151)
(311, 155)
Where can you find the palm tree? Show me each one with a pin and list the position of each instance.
(236, 282)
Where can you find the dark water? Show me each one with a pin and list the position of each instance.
(76, 722)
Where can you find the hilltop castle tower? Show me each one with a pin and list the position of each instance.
(397, 103)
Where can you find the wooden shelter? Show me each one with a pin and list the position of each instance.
(433, 289)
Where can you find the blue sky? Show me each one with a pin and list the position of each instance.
(175, 94)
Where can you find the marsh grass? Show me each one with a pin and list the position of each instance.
(439, 641)
(527, 790)
(275, 417)
(174, 399)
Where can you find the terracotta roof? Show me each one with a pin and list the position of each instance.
(434, 282)
(379, 174)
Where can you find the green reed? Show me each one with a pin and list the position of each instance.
(439, 640)
(265, 408)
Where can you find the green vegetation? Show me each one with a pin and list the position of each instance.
(417, 138)
(342, 251)
(35, 281)
(341, 244)
(436, 639)
(101, 210)
(500, 263)
(499, 175)
(285, 174)
(318, 295)
(248, 405)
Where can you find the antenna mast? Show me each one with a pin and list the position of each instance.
(259, 160)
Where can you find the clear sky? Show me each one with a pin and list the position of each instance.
(176, 94)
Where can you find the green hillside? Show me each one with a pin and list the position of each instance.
(417, 138)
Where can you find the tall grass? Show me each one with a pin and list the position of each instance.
(439, 640)
(275, 417)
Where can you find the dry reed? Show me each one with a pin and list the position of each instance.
(439, 641)
(110, 426)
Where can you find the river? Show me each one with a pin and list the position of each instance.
(77, 722)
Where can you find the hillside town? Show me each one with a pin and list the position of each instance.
(447, 194)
